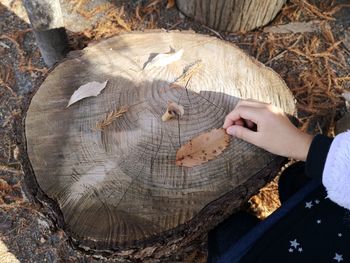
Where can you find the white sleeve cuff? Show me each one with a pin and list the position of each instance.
(336, 173)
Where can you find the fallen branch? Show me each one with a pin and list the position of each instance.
(294, 27)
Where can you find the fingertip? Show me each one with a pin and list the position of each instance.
(230, 130)
(242, 133)
(226, 124)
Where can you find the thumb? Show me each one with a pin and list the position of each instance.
(242, 133)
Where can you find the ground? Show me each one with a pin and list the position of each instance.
(315, 66)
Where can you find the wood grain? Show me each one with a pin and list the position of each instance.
(231, 15)
(120, 187)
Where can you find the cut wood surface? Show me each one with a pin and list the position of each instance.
(231, 15)
(119, 186)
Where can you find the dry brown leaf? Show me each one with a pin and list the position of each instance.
(202, 148)
(170, 4)
(173, 110)
(87, 90)
(111, 116)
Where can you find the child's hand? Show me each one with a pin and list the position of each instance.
(274, 132)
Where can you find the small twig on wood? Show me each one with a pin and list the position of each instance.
(111, 116)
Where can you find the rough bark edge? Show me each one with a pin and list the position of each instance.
(179, 238)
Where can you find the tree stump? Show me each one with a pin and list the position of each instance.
(119, 188)
(231, 15)
(47, 22)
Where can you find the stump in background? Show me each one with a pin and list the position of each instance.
(47, 22)
(231, 15)
(119, 188)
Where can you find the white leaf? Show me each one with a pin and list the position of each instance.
(162, 60)
(87, 90)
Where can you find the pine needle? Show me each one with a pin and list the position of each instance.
(110, 117)
(187, 75)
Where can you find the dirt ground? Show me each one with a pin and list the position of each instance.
(315, 66)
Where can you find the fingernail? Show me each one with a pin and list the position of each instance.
(230, 130)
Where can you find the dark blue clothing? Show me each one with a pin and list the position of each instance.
(308, 227)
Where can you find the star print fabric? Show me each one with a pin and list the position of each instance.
(316, 230)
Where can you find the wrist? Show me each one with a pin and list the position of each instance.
(301, 146)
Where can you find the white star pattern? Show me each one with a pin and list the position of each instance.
(300, 249)
(319, 221)
(317, 201)
(308, 204)
(294, 243)
(338, 257)
(340, 234)
(290, 250)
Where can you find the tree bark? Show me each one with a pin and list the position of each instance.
(119, 188)
(231, 15)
